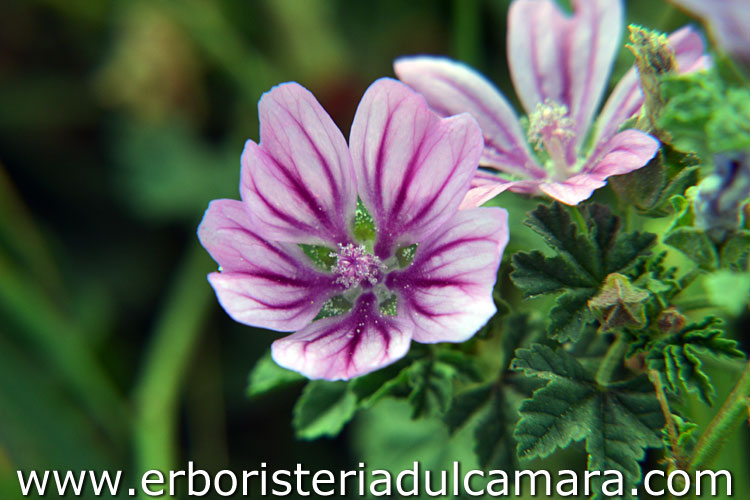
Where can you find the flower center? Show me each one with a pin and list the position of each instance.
(551, 129)
(354, 265)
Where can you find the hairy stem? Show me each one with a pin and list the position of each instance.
(611, 362)
(731, 414)
(661, 396)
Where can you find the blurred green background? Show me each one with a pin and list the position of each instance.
(119, 122)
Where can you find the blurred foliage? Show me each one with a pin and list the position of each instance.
(120, 121)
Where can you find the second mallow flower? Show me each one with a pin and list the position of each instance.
(359, 249)
(559, 65)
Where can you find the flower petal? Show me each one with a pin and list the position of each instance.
(728, 23)
(345, 346)
(413, 168)
(263, 284)
(447, 290)
(564, 59)
(486, 186)
(298, 183)
(627, 98)
(627, 151)
(594, 41)
(451, 87)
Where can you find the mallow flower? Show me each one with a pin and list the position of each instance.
(728, 23)
(559, 65)
(358, 249)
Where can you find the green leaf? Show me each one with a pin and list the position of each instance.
(389, 305)
(324, 258)
(617, 422)
(703, 115)
(677, 356)
(685, 433)
(323, 409)
(405, 255)
(364, 224)
(372, 387)
(494, 443)
(432, 387)
(267, 376)
(587, 253)
(735, 254)
(553, 223)
(695, 244)
(466, 404)
(649, 188)
(536, 274)
(335, 306)
(570, 315)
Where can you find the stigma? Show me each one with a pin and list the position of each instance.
(355, 266)
(552, 130)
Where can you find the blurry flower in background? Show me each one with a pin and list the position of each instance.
(720, 197)
(358, 249)
(153, 69)
(559, 66)
(728, 23)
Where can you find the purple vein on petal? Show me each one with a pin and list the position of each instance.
(343, 347)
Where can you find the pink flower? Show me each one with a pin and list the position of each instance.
(559, 66)
(291, 251)
(728, 23)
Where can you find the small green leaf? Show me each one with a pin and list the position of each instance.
(323, 409)
(685, 433)
(570, 315)
(267, 376)
(370, 388)
(735, 254)
(405, 255)
(695, 244)
(389, 305)
(320, 256)
(677, 356)
(536, 274)
(494, 443)
(364, 225)
(335, 306)
(466, 404)
(432, 387)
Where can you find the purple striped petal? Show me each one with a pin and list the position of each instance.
(451, 87)
(346, 346)
(413, 167)
(728, 23)
(486, 186)
(564, 59)
(298, 183)
(626, 99)
(625, 152)
(447, 290)
(263, 284)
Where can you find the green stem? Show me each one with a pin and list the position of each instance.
(723, 424)
(176, 333)
(611, 362)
